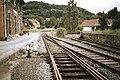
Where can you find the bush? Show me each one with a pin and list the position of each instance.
(22, 51)
(41, 27)
(60, 32)
(78, 29)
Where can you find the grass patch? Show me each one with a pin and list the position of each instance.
(33, 31)
(22, 51)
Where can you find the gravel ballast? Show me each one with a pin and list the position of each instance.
(31, 69)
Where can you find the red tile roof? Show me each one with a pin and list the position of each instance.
(90, 23)
(95, 22)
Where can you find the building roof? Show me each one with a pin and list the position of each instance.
(95, 22)
(90, 23)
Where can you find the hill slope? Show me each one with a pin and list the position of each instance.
(46, 10)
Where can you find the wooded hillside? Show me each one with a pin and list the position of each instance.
(46, 10)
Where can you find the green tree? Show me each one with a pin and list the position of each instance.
(61, 22)
(47, 24)
(71, 16)
(41, 20)
(102, 20)
(52, 21)
(111, 14)
(116, 22)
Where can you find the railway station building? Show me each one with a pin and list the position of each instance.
(11, 22)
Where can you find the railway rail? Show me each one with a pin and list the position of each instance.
(105, 60)
(67, 65)
(113, 49)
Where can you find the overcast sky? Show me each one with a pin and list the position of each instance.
(93, 6)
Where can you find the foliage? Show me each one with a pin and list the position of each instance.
(60, 32)
(116, 22)
(111, 14)
(79, 29)
(71, 16)
(47, 24)
(51, 22)
(37, 10)
(59, 22)
(22, 51)
(102, 20)
(41, 27)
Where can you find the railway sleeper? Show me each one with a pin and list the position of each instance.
(68, 65)
(65, 62)
(63, 59)
(71, 69)
(81, 75)
(106, 60)
(60, 56)
(111, 63)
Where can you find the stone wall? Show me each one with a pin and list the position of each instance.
(113, 40)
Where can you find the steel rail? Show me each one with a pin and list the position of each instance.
(57, 73)
(89, 43)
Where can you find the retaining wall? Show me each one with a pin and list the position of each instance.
(113, 40)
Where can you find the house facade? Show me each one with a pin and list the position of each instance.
(89, 25)
(93, 24)
(11, 22)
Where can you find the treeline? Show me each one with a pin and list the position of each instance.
(112, 14)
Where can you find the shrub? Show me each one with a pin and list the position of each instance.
(78, 29)
(22, 51)
(60, 32)
(41, 27)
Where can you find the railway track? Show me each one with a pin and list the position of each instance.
(108, 48)
(105, 60)
(68, 66)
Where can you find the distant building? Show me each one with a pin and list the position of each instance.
(91, 25)
(35, 23)
(10, 18)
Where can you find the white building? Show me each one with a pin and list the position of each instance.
(35, 23)
(91, 25)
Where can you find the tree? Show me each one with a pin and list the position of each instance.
(116, 22)
(111, 14)
(53, 21)
(102, 20)
(47, 24)
(41, 20)
(71, 16)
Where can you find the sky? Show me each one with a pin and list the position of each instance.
(93, 6)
